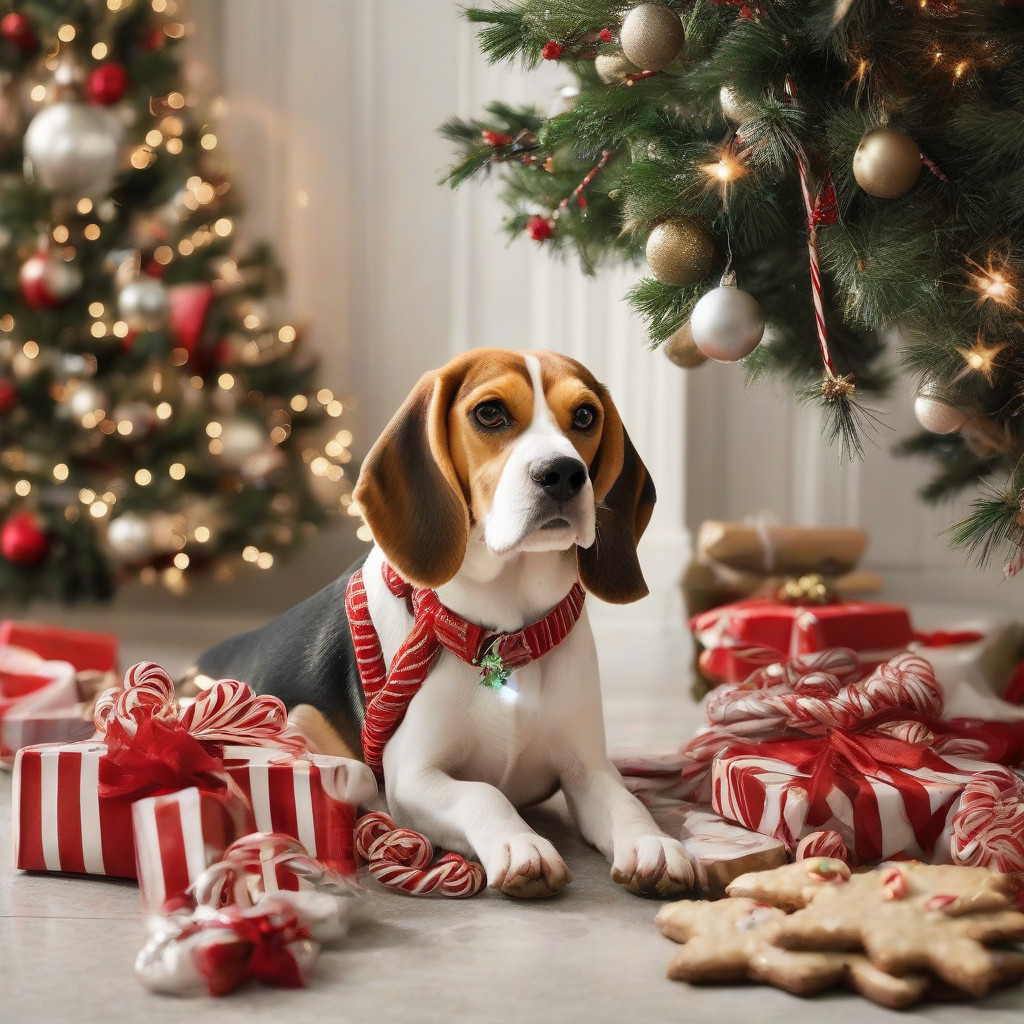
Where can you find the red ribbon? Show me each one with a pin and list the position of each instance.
(261, 953)
(948, 638)
(842, 760)
(162, 757)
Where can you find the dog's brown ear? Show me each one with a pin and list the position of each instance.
(625, 496)
(408, 490)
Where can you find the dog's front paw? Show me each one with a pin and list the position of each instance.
(655, 865)
(527, 866)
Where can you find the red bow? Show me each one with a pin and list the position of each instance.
(162, 757)
(843, 760)
(261, 953)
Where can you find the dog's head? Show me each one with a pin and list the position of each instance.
(526, 445)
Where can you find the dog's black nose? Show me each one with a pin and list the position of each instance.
(561, 479)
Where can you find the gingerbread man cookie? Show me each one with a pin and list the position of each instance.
(732, 941)
(912, 918)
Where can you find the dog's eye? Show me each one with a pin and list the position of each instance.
(583, 418)
(491, 415)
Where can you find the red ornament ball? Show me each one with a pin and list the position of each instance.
(17, 29)
(8, 395)
(552, 50)
(107, 83)
(539, 228)
(23, 541)
(47, 281)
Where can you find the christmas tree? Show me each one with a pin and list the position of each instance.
(157, 416)
(811, 184)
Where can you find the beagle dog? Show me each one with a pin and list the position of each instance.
(504, 481)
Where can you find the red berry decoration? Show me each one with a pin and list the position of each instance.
(552, 50)
(605, 36)
(540, 228)
(17, 29)
(107, 83)
(23, 541)
(8, 395)
(496, 139)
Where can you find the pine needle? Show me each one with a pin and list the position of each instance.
(993, 526)
(846, 420)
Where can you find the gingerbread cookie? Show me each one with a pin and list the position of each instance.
(792, 886)
(912, 918)
(732, 941)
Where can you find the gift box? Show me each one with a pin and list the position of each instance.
(739, 638)
(885, 798)
(85, 651)
(313, 798)
(735, 561)
(60, 822)
(55, 713)
(177, 837)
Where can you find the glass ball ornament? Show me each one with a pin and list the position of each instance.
(240, 438)
(72, 148)
(24, 540)
(937, 416)
(143, 303)
(727, 323)
(130, 538)
(47, 280)
(651, 36)
(887, 163)
(681, 350)
(680, 252)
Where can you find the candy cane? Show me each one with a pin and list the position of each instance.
(400, 859)
(229, 712)
(148, 693)
(988, 826)
(826, 843)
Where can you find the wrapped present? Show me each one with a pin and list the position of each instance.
(735, 561)
(885, 797)
(85, 650)
(177, 837)
(59, 712)
(737, 639)
(72, 807)
(312, 797)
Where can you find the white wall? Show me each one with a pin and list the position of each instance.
(341, 99)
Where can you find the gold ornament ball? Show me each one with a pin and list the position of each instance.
(652, 36)
(680, 252)
(887, 163)
(612, 68)
(682, 351)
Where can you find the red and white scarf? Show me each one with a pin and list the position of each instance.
(389, 690)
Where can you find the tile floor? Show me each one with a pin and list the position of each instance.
(589, 957)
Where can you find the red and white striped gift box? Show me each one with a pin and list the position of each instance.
(313, 798)
(888, 813)
(177, 837)
(60, 822)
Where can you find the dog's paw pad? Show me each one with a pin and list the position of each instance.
(528, 867)
(655, 865)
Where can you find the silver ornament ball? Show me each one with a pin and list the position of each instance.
(130, 538)
(143, 302)
(241, 438)
(727, 324)
(72, 148)
(937, 416)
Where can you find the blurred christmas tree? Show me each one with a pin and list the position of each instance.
(156, 419)
(844, 171)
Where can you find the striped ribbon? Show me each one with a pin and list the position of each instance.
(389, 691)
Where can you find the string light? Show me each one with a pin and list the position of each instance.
(22, 488)
(154, 137)
(993, 283)
(92, 232)
(223, 227)
(6, 323)
(981, 358)
(265, 560)
(335, 408)
(99, 51)
(66, 33)
(60, 234)
(250, 553)
(181, 560)
(38, 93)
(202, 534)
(163, 254)
(226, 381)
(143, 477)
(84, 206)
(98, 509)
(208, 141)
(164, 410)
(299, 403)
(96, 309)
(727, 169)
(176, 471)
(60, 472)
(364, 534)
(174, 146)
(287, 334)
(214, 429)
